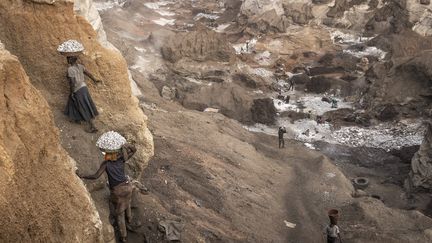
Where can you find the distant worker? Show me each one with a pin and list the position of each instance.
(247, 45)
(281, 132)
(120, 187)
(291, 84)
(80, 106)
(334, 103)
(319, 120)
(333, 233)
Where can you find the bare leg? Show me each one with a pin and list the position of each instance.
(92, 128)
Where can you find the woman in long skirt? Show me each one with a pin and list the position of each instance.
(80, 106)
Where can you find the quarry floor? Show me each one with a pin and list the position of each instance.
(228, 184)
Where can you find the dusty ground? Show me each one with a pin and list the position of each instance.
(227, 184)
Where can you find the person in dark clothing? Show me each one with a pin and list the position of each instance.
(120, 187)
(80, 106)
(281, 132)
(291, 84)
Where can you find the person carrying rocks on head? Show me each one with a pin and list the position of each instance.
(332, 230)
(117, 152)
(281, 133)
(80, 105)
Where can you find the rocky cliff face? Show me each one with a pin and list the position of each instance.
(32, 32)
(200, 45)
(44, 196)
(421, 164)
(373, 15)
(40, 196)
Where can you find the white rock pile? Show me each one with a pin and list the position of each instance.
(70, 46)
(111, 141)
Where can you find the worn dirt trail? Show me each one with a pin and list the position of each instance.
(236, 185)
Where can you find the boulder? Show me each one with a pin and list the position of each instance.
(263, 111)
(300, 79)
(246, 80)
(168, 93)
(323, 84)
(299, 13)
(387, 112)
(424, 25)
(231, 99)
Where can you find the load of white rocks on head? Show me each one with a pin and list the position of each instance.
(111, 141)
(70, 46)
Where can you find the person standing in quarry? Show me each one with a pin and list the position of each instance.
(281, 132)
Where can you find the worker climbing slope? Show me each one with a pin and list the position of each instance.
(117, 151)
(80, 105)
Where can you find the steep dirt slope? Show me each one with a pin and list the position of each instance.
(228, 185)
(224, 183)
(32, 31)
(41, 199)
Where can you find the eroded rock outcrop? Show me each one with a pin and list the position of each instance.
(41, 198)
(375, 16)
(421, 164)
(200, 45)
(87, 9)
(33, 31)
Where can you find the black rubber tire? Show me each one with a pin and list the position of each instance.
(361, 183)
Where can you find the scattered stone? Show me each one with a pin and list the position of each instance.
(360, 193)
(168, 93)
(289, 224)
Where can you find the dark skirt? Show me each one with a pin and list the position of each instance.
(82, 108)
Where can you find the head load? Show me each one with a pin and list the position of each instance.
(111, 142)
(70, 48)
